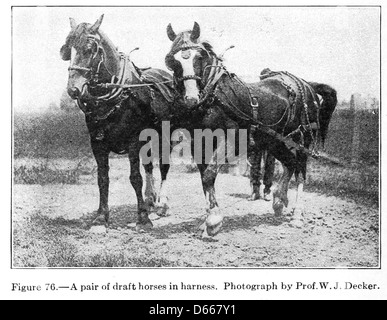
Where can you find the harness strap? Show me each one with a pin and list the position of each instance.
(216, 73)
(288, 141)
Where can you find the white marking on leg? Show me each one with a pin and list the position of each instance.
(162, 203)
(298, 207)
(298, 210)
(300, 191)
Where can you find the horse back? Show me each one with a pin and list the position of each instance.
(162, 80)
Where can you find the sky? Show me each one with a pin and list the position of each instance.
(339, 46)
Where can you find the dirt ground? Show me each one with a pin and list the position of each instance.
(52, 227)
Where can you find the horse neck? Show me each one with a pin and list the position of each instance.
(236, 92)
(112, 56)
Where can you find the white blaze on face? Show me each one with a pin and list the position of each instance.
(73, 55)
(186, 58)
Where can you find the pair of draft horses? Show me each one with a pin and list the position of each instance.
(282, 114)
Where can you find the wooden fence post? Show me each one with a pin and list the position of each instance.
(355, 107)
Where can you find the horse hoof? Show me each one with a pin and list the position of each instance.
(202, 230)
(254, 197)
(140, 227)
(267, 196)
(162, 208)
(163, 211)
(150, 202)
(214, 222)
(100, 219)
(212, 231)
(278, 207)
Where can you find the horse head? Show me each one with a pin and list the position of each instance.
(190, 60)
(82, 48)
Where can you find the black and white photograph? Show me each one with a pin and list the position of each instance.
(200, 140)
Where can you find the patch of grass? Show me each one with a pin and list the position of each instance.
(359, 183)
(42, 175)
(65, 255)
(47, 173)
(44, 242)
(116, 260)
(62, 254)
(57, 134)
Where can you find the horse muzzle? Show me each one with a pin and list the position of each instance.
(73, 92)
(191, 101)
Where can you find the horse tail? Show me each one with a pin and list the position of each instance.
(329, 102)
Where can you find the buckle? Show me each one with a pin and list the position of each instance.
(254, 102)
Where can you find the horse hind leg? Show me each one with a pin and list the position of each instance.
(298, 209)
(255, 174)
(280, 195)
(162, 205)
(268, 176)
(150, 190)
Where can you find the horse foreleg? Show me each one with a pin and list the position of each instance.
(280, 195)
(101, 155)
(150, 190)
(143, 221)
(214, 219)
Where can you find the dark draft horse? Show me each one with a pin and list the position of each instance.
(119, 101)
(282, 113)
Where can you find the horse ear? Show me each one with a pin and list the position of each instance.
(171, 34)
(73, 23)
(65, 53)
(97, 24)
(195, 32)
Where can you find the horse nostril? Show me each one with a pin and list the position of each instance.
(73, 92)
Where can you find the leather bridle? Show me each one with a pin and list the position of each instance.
(93, 41)
(208, 83)
(183, 48)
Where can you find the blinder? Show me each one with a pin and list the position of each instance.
(92, 44)
(65, 52)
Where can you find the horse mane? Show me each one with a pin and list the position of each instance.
(209, 48)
